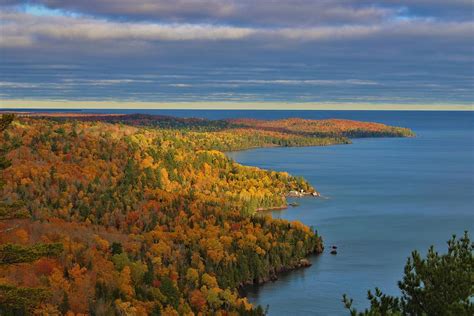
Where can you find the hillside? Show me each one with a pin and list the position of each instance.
(123, 215)
(325, 128)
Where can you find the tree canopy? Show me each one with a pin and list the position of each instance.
(138, 215)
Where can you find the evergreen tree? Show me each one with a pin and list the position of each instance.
(435, 285)
(116, 248)
(64, 306)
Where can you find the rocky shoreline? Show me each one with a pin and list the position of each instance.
(303, 193)
(291, 194)
(273, 275)
(297, 264)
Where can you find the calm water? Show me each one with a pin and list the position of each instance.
(383, 198)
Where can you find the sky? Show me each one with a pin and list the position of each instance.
(237, 51)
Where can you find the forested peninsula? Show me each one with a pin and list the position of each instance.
(146, 215)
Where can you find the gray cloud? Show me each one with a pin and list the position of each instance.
(23, 30)
(262, 12)
(275, 12)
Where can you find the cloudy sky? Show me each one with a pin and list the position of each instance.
(341, 51)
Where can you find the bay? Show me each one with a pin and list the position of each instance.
(383, 198)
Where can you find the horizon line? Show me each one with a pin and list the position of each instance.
(25, 104)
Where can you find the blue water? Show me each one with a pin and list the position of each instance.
(383, 198)
(361, 81)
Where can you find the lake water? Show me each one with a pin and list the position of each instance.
(383, 198)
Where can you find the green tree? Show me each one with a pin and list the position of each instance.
(5, 121)
(435, 285)
(170, 292)
(14, 253)
(20, 300)
(8, 210)
(64, 306)
(116, 248)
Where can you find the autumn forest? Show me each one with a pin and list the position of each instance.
(146, 215)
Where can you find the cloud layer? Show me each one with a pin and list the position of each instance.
(274, 12)
(22, 30)
(304, 47)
